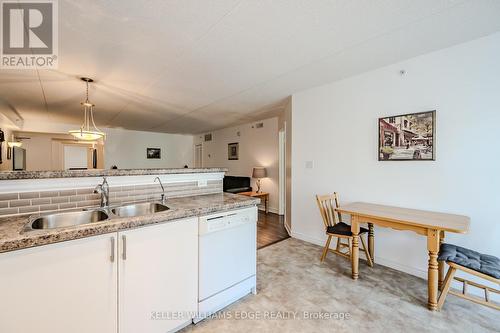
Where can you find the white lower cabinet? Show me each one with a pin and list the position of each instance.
(158, 277)
(141, 280)
(60, 288)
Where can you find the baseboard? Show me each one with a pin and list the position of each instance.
(287, 228)
(307, 238)
(270, 209)
(378, 260)
(401, 267)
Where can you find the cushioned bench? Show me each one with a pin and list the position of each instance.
(482, 265)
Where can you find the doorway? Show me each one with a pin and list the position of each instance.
(198, 156)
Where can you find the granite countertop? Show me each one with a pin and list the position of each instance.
(10, 175)
(14, 237)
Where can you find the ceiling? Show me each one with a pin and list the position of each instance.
(190, 66)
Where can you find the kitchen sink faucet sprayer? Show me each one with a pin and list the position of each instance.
(162, 188)
(103, 190)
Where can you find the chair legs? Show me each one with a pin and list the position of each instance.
(445, 288)
(450, 276)
(340, 245)
(367, 253)
(327, 247)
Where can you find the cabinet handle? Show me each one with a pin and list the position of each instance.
(124, 241)
(112, 256)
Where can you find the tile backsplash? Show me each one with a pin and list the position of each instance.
(42, 201)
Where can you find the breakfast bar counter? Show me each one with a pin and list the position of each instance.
(13, 235)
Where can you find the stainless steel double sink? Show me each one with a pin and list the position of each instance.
(74, 218)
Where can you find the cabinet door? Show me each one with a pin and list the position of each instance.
(158, 276)
(60, 288)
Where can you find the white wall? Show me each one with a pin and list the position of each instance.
(39, 152)
(257, 147)
(335, 126)
(75, 157)
(127, 149)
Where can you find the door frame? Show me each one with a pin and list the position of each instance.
(200, 145)
(282, 171)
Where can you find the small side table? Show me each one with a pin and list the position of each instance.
(261, 195)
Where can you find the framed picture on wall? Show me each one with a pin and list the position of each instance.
(153, 153)
(408, 137)
(233, 151)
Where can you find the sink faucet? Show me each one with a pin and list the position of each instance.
(103, 190)
(162, 188)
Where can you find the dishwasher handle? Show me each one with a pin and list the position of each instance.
(215, 218)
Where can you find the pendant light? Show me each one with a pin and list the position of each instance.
(88, 131)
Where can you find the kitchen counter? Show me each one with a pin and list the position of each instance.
(13, 236)
(12, 175)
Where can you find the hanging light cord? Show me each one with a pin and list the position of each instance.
(87, 92)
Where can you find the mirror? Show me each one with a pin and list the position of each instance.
(56, 151)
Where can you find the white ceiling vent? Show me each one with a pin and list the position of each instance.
(208, 137)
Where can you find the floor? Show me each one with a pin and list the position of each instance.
(293, 285)
(270, 229)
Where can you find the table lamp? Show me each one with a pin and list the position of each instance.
(259, 173)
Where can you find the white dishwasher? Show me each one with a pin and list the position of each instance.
(227, 259)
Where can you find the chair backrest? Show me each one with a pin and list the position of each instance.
(327, 204)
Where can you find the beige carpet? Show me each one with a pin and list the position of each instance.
(294, 286)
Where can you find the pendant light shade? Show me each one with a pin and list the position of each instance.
(88, 131)
(86, 135)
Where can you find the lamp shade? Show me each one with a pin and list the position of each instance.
(259, 172)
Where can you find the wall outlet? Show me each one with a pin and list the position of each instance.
(202, 183)
(309, 164)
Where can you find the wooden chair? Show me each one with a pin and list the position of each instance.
(484, 266)
(334, 227)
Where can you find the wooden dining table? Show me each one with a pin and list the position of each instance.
(432, 225)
